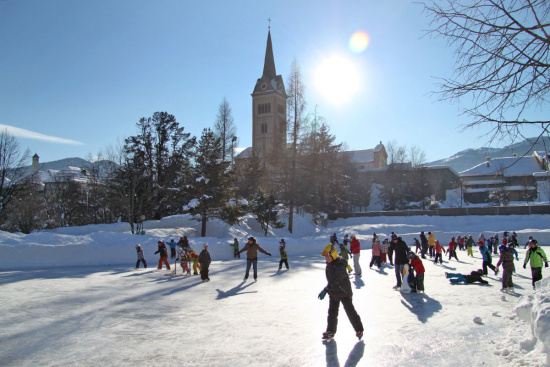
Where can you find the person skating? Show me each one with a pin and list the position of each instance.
(452, 249)
(356, 253)
(284, 256)
(438, 250)
(252, 247)
(507, 261)
(417, 246)
(536, 256)
(424, 244)
(384, 252)
(487, 259)
(339, 291)
(172, 244)
(205, 260)
(474, 276)
(334, 239)
(376, 252)
(140, 257)
(344, 254)
(184, 243)
(400, 248)
(195, 259)
(528, 242)
(418, 267)
(431, 243)
(163, 253)
(470, 245)
(235, 244)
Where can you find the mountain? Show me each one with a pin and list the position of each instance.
(63, 163)
(469, 158)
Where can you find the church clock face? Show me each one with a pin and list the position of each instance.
(263, 86)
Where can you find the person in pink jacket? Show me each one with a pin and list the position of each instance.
(376, 252)
(356, 251)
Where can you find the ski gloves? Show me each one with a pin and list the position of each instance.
(323, 293)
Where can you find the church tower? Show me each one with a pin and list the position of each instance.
(269, 109)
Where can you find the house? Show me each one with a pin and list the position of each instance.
(518, 178)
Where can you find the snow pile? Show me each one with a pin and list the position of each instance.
(534, 309)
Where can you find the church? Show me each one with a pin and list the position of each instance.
(269, 123)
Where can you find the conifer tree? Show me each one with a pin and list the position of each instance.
(266, 210)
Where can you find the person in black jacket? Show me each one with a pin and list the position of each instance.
(163, 252)
(424, 242)
(474, 276)
(339, 291)
(400, 248)
(205, 260)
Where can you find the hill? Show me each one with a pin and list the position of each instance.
(469, 158)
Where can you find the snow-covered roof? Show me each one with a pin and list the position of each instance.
(361, 156)
(508, 166)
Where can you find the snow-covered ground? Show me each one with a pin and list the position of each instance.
(72, 297)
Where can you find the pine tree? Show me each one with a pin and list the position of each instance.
(211, 191)
(266, 209)
(226, 130)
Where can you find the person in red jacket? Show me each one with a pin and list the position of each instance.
(452, 249)
(356, 251)
(418, 267)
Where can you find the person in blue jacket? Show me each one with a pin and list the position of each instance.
(487, 259)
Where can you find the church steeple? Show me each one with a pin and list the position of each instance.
(269, 62)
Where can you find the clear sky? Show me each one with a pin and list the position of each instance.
(76, 76)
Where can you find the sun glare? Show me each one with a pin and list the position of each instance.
(337, 79)
(359, 41)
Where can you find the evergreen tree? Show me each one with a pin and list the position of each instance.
(266, 209)
(211, 191)
(164, 151)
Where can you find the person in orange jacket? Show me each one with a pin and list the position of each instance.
(439, 250)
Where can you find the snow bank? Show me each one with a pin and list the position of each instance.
(534, 309)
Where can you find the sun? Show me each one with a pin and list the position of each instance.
(337, 79)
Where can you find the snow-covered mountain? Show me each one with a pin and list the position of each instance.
(469, 158)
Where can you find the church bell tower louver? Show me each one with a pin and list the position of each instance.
(269, 109)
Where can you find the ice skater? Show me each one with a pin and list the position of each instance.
(205, 260)
(474, 276)
(163, 253)
(252, 249)
(339, 291)
(535, 255)
(140, 257)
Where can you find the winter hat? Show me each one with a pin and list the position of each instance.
(204, 246)
(251, 239)
(330, 250)
(411, 255)
(138, 246)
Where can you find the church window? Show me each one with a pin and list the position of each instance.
(264, 108)
(263, 128)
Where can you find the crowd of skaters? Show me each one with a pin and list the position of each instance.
(392, 251)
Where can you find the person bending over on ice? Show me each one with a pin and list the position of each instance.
(536, 255)
(339, 291)
(252, 249)
(474, 276)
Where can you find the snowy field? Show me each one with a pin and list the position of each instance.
(73, 298)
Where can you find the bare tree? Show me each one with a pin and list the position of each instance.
(417, 156)
(502, 60)
(396, 153)
(12, 176)
(226, 130)
(295, 109)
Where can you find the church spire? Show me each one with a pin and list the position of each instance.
(269, 63)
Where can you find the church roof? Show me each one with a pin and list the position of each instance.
(269, 62)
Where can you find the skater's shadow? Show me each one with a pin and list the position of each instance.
(354, 356)
(358, 282)
(448, 267)
(139, 274)
(234, 291)
(421, 305)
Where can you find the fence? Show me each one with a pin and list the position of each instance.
(451, 212)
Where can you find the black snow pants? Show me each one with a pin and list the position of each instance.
(332, 320)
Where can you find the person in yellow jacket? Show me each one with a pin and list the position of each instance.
(195, 258)
(431, 243)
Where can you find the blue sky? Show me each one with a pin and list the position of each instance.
(77, 75)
